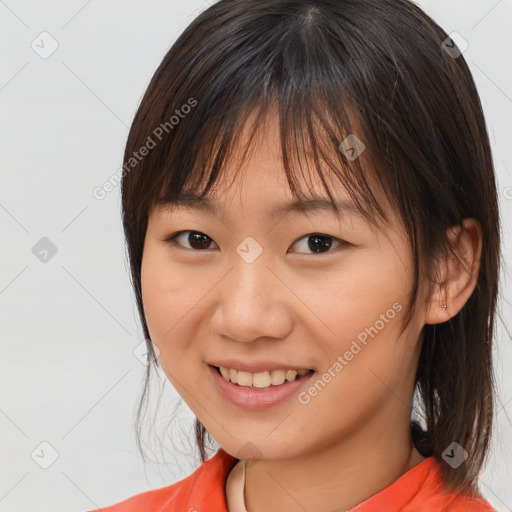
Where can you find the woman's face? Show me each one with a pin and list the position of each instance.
(255, 290)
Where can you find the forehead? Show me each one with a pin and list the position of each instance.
(257, 162)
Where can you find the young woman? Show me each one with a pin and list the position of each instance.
(310, 210)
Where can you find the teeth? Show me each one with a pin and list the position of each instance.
(261, 379)
(290, 375)
(277, 377)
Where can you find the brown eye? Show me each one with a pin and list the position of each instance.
(318, 243)
(195, 239)
(315, 243)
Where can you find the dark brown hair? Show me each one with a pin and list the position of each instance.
(375, 68)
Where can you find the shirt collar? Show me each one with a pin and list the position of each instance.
(412, 487)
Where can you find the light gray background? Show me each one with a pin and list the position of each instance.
(69, 326)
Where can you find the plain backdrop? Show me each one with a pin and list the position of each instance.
(70, 368)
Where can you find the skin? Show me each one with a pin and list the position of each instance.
(352, 439)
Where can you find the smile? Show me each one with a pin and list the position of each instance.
(251, 397)
(261, 380)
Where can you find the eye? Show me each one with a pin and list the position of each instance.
(315, 243)
(319, 243)
(195, 239)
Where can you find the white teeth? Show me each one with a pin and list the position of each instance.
(261, 379)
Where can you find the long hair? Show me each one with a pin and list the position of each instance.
(384, 71)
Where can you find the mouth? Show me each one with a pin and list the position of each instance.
(261, 380)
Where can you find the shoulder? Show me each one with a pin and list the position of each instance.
(202, 490)
(443, 501)
(433, 497)
(446, 502)
(468, 504)
(421, 490)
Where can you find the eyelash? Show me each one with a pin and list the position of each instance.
(341, 243)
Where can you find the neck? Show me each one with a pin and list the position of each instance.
(336, 477)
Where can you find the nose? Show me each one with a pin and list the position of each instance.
(253, 302)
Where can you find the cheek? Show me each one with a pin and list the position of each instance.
(368, 289)
(171, 298)
(361, 308)
(161, 290)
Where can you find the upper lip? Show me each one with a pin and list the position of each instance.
(254, 367)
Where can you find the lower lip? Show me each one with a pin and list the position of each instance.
(253, 399)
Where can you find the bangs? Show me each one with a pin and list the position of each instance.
(317, 85)
(309, 139)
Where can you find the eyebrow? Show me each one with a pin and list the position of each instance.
(301, 205)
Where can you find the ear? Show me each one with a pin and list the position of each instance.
(459, 272)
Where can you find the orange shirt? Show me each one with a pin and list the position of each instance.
(418, 490)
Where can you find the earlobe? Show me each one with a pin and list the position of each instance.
(459, 272)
